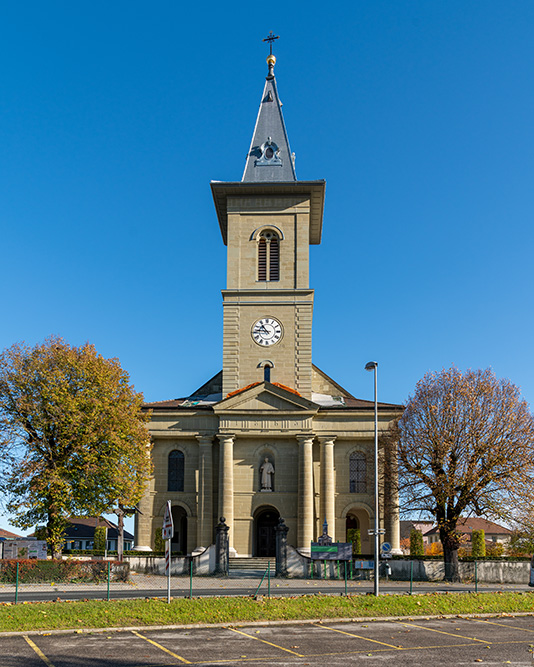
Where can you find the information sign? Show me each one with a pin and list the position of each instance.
(334, 551)
(168, 528)
(364, 564)
(25, 549)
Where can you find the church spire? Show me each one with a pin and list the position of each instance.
(269, 157)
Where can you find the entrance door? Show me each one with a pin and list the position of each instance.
(179, 541)
(266, 521)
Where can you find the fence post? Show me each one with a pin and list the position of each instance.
(476, 577)
(346, 578)
(269, 579)
(261, 582)
(109, 577)
(191, 579)
(311, 568)
(17, 585)
(411, 576)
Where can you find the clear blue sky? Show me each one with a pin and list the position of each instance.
(419, 114)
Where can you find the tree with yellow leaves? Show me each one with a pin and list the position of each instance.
(72, 435)
(465, 445)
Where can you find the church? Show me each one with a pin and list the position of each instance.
(271, 435)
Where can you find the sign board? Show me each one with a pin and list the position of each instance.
(364, 564)
(385, 548)
(25, 549)
(334, 551)
(168, 528)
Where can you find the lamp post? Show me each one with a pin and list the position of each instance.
(373, 366)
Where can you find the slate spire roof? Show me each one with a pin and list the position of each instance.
(269, 157)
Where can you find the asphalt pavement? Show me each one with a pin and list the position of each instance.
(410, 642)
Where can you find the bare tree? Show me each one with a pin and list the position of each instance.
(465, 446)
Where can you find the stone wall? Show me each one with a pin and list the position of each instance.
(498, 572)
(203, 564)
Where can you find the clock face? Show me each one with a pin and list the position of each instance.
(266, 331)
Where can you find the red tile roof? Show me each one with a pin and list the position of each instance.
(467, 525)
(7, 534)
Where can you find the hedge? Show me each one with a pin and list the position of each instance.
(32, 571)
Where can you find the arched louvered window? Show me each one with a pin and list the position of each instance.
(358, 473)
(274, 259)
(262, 259)
(176, 471)
(268, 256)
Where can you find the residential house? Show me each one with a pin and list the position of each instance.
(80, 534)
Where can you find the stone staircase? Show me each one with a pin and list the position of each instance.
(250, 567)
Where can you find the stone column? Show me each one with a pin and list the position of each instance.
(327, 498)
(305, 492)
(205, 491)
(226, 482)
(143, 521)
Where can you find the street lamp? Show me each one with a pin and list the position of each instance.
(373, 366)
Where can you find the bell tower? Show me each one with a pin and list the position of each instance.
(268, 221)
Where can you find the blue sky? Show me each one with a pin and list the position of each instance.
(116, 116)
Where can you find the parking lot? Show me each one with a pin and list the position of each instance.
(457, 641)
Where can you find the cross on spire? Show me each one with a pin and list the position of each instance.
(270, 38)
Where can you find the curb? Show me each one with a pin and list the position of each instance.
(252, 624)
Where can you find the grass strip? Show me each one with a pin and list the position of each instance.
(124, 613)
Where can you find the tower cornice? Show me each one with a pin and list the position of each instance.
(314, 190)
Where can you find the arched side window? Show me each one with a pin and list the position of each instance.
(175, 478)
(358, 473)
(268, 256)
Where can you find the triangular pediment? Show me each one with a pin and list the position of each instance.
(265, 397)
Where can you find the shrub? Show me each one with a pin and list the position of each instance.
(354, 536)
(520, 544)
(100, 539)
(478, 543)
(416, 543)
(159, 543)
(495, 549)
(434, 549)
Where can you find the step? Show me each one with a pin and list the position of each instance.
(239, 564)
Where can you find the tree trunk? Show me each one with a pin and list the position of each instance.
(450, 541)
(450, 559)
(55, 534)
(120, 535)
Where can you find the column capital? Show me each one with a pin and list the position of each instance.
(226, 437)
(304, 438)
(326, 439)
(205, 439)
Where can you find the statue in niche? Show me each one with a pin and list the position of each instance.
(266, 472)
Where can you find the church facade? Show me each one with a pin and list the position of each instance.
(271, 435)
